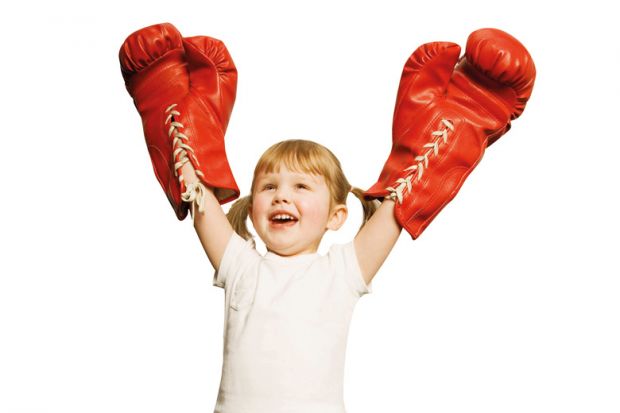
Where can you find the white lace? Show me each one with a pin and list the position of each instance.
(417, 170)
(195, 191)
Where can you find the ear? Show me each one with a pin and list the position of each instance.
(338, 217)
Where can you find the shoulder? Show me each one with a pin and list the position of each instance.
(342, 258)
(239, 254)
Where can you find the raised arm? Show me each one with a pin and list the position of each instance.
(184, 89)
(212, 226)
(376, 239)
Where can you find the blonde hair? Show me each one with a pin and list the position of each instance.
(302, 156)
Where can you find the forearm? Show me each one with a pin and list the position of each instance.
(189, 174)
(376, 239)
(212, 226)
(384, 227)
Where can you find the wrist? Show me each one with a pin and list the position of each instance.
(189, 174)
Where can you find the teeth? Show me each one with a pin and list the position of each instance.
(282, 216)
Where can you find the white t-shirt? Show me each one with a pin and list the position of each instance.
(285, 328)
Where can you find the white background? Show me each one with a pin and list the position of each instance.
(508, 302)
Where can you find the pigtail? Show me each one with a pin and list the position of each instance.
(369, 205)
(237, 216)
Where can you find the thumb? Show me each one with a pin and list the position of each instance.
(212, 74)
(425, 76)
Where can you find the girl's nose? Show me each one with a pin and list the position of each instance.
(281, 195)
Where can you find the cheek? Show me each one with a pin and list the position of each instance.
(315, 208)
(258, 208)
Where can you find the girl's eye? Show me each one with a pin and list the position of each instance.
(271, 186)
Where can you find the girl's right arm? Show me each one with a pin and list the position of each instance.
(212, 226)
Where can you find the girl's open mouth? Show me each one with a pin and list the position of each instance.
(281, 221)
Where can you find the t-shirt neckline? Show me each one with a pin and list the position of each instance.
(296, 258)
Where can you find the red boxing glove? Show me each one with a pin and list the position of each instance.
(448, 110)
(184, 90)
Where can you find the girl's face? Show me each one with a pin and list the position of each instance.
(280, 196)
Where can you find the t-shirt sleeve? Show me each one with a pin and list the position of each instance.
(344, 261)
(239, 254)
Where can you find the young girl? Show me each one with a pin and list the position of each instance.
(287, 313)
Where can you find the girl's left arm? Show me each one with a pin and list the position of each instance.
(376, 239)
